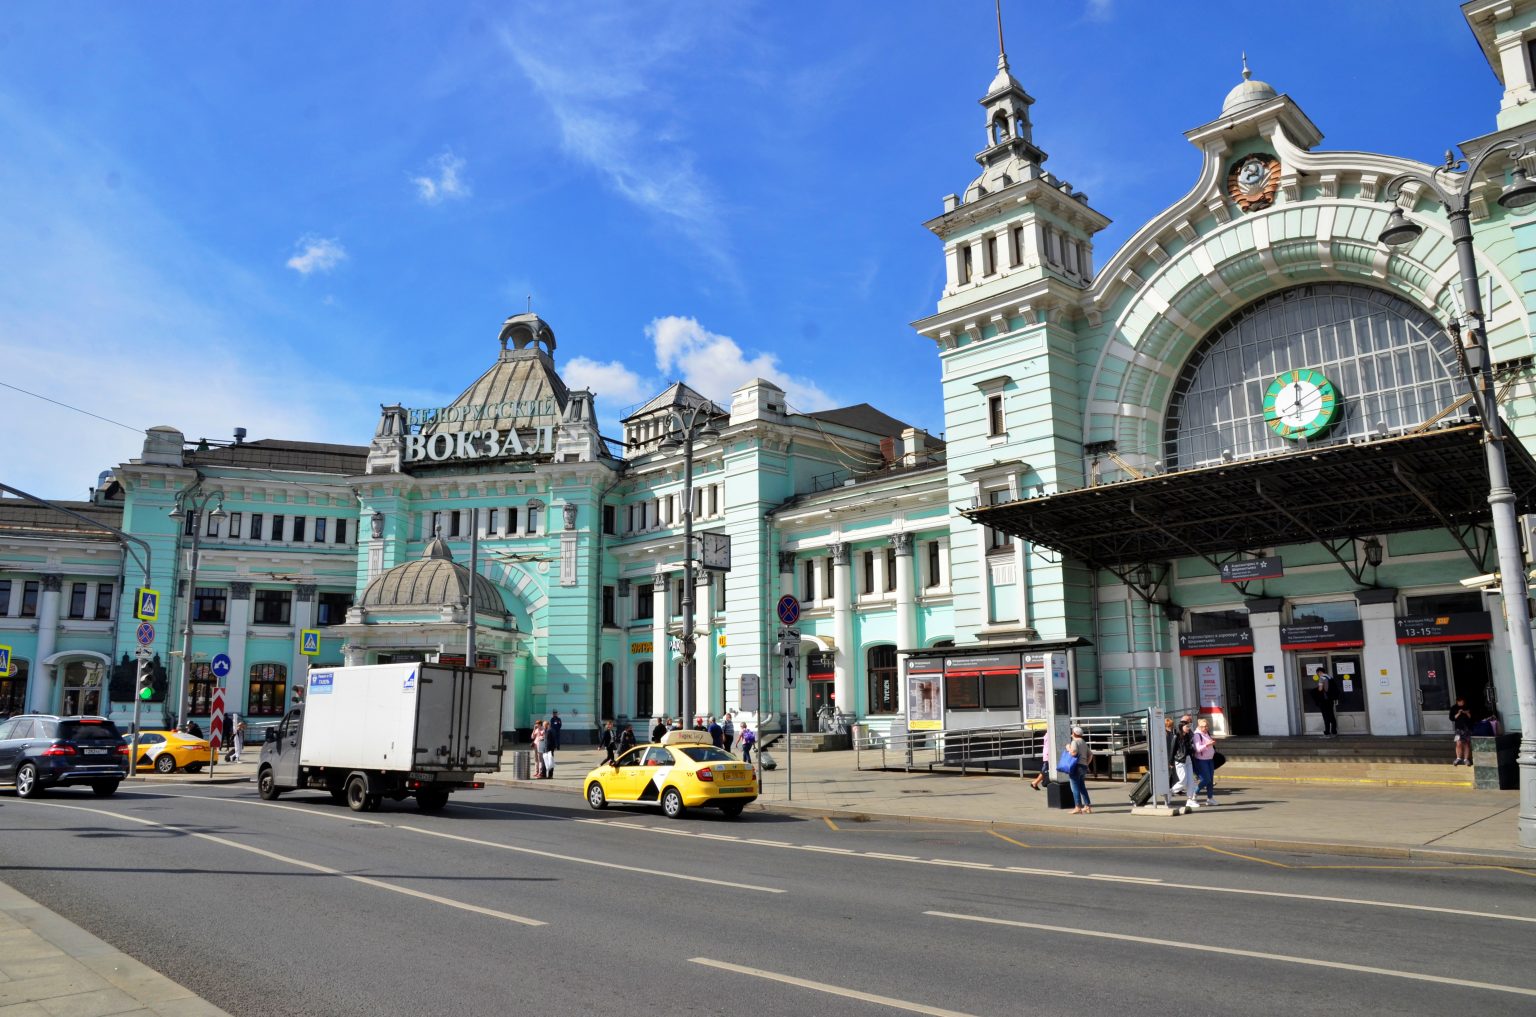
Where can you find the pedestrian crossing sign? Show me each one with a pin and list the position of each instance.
(5, 660)
(309, 642)
(146, 604)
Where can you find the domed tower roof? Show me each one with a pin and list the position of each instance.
(1248, 93)
(433, 581)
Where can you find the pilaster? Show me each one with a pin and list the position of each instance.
(842, 624)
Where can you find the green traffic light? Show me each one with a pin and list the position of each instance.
(146, 693)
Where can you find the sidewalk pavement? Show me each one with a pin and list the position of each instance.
(49, 966)
(1441, 824)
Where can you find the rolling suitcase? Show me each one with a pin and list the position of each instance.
(1142, 792)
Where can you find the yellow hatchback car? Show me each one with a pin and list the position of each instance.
(684, 771)
(169, 751)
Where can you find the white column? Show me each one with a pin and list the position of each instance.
(842, 624)
(704, 645)
(1273, 687)
(238, 684)
(1381, 671)
(663, 694)
(906, 603)
(43, 690)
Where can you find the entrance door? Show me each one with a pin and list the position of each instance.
(1349, 707)
(1473, 679)
(1432, 672)
(820, 693)
(1242, 702)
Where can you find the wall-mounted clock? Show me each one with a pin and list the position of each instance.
(1300, 404)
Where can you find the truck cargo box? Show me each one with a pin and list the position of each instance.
(403, 717)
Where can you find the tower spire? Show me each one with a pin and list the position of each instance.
(1002, 53)
(1247, 74)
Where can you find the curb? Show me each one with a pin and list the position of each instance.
(1345, 848)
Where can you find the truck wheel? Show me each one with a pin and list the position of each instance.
(358, 798)
(105, 788)
(732, 809)
(431, 800)
(671, 803)
(165, 763)
(266, 785)
(595, 796)
(27, 783)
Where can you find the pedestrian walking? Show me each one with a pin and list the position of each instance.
(660, 730)
(538, 750)
(716, 733)
(1180, 751)
(1077, 773)
(238, 743)
(1461, 721)
(1204, 760)
(1327, 692)
(548, 752)
(748, 739)
(608, 740)
(552, 731)
(728, 733)
(626, 739)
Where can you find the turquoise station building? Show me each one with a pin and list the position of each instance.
(1193, 473)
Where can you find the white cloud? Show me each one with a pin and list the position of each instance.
(316, 254)
(447, 184)
(609, 75)
(611, 383)
(715, 365)
(1100, 10)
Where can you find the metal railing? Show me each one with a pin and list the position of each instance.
(978, 747)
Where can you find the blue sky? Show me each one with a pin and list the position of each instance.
(278, 215)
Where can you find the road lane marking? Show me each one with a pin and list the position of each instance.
(1184, 946)
(831, 990)
(310, 866)
(589, 861)
(1010, 840)
(1109, 877)
(1250, 858)
(830, 825)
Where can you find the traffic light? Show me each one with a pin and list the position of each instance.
(146, 690)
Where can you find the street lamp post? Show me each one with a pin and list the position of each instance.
(195, 513)
(684, 427)
(1454, 192)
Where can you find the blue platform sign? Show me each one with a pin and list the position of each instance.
(789, 609)
(221, 665)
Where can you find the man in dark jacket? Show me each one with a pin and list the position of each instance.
(1327, 692)
(659, 730)
(552, 734)
(608, 740)
(716, 733)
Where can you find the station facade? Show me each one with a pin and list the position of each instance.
(1236, 453)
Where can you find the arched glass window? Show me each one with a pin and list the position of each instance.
(882, 679)
(268, 694)
(1391, 365)
(643, 691)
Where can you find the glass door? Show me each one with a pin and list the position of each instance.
(1432, 672)
(1349, 690)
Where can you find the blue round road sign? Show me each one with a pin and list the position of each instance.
(789, 609)
(221, 665)
(146, 633)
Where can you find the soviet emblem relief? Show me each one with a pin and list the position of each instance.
(1253, 181)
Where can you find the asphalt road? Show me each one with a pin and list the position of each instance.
(522, 901)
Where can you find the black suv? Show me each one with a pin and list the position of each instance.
(39, 751)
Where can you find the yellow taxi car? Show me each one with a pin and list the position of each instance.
(169, 751)
(683, 771)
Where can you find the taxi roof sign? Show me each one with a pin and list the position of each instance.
(681, 737)
(146, 604)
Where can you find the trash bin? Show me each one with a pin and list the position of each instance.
(1494, 766)
(522, 764)
(1058, 795)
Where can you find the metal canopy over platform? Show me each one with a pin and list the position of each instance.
(1434, 479)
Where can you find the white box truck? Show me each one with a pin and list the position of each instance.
(396, 730)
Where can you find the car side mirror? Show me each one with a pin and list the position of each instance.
(271, 735)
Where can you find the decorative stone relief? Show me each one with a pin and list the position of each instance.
(1253, 182)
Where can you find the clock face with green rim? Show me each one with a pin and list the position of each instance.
(1300, 404)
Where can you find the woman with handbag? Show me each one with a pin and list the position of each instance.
(1205, 763)
(1075, 759)
(538, 750)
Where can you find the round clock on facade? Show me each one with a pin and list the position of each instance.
(1300, 404)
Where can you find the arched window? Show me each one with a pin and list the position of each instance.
(1391, 365)
(883, 696)
(268, 694)
(606, 709)
(13, 688)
